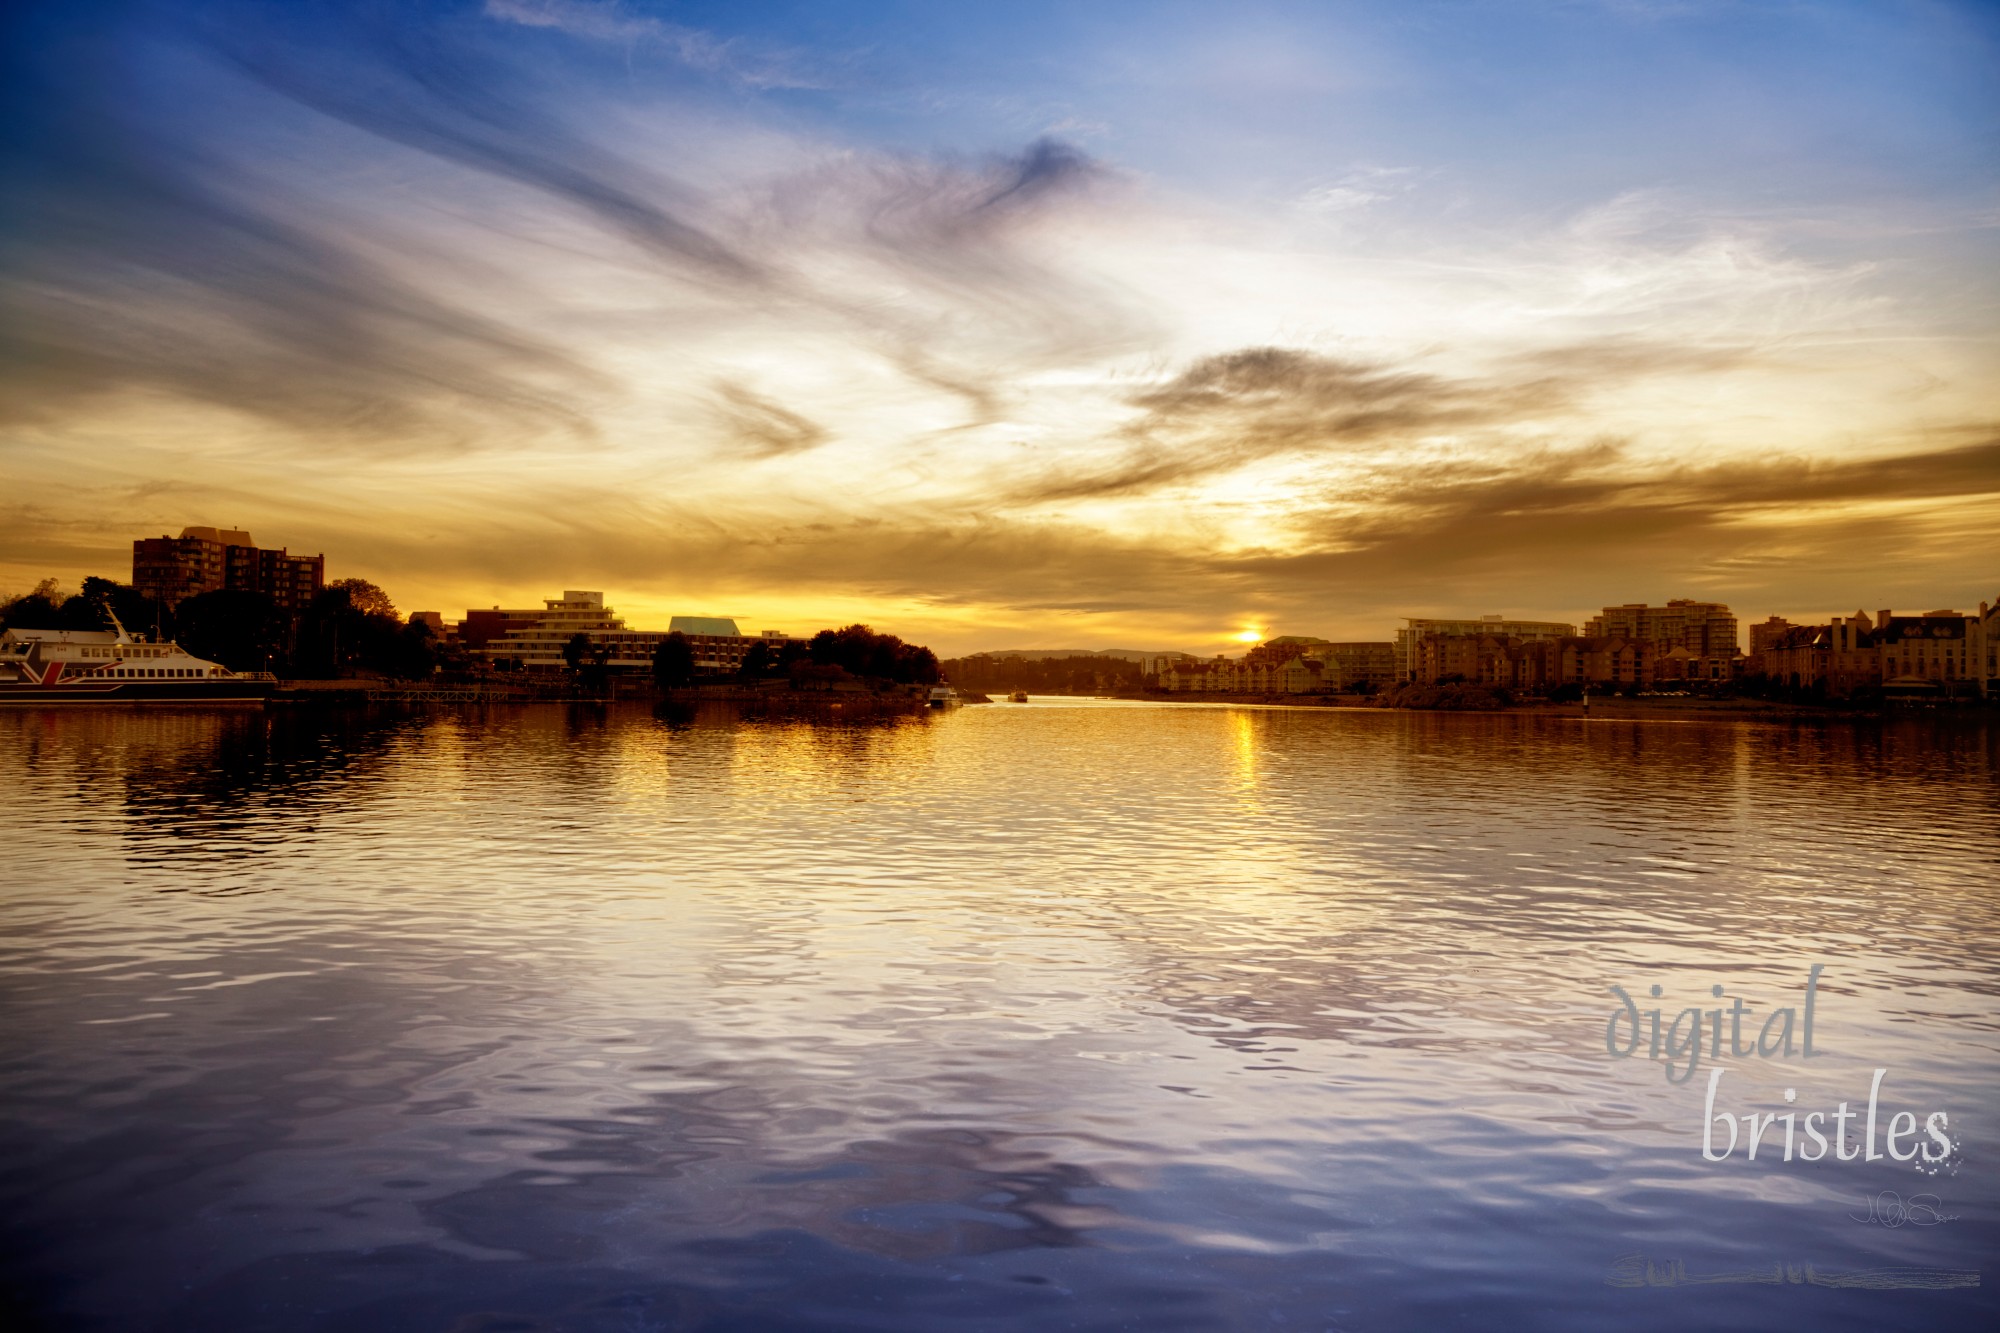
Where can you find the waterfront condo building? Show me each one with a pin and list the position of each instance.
(204, 559)
(1765, 635)
(1290, 664)
(534, 640)
(1409, 639)
(1706, 629)
(1940, 653)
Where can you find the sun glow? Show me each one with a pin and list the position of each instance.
(1250, 636)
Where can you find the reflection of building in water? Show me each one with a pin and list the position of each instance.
(534, 640)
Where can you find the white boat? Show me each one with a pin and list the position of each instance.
(49, 667)
(944, 696)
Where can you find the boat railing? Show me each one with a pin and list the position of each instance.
(252, 675)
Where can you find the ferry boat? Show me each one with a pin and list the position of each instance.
(44, 667)
(944, 696)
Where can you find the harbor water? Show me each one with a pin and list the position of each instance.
(1067, 1015)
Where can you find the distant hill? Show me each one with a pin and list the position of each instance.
(1128, 654)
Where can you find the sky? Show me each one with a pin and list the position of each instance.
(1105, 325)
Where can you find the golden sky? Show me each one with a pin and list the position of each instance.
(1140, 328)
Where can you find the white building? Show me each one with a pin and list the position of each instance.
(719, 647)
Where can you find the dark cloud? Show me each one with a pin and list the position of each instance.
(1594, 525)
(163, 231)
(981, 296)
(426, 86)
(763, 429)
(134, 257)
(1556, 533)
(1226, 412)
(1048, 167)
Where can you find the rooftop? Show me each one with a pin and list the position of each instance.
(716, 626)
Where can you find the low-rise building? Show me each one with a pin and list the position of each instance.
(1938, 651)
(481, 627)
(1288, 664)
(1989, 640)
(1368, 663)
(1941, 653)
(1409, 639)
(536, 640)
(1763, 635)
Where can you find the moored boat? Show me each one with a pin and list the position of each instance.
(51, 667)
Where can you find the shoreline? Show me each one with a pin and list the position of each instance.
(1623, 709)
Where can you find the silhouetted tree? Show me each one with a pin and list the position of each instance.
(860, 651)
(39, 608)
(139, 613)
(807, 674)
(673, 661)
(575, 651)
(412, 653)
(245, 631)
(336, 634)
(365, 597)
(1047, 675)
(756, 662)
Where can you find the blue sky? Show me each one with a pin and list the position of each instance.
(1108, 323)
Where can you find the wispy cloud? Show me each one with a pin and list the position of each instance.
(299, 262)
(609, 21)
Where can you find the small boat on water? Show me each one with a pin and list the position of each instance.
(944, 696)
(1018, 697)
(45, 667)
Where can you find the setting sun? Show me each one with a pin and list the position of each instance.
(1249, 636)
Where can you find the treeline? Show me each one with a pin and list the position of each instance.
(855, 654)
(350, 627)
(1045, 675)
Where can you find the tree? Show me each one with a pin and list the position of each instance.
(756, 662)
(810, 675)
(39, 608)
(366, 597)
(137, 612)
(412, 653)
(338, 632)
(575, 651)
(673, 661)
(862, 652)
(245, 631)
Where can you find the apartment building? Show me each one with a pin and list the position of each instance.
(206, 559)
(1707, 629)
(1409, 639)
(1938, 652)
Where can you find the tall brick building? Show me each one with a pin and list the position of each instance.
(1706, 629)
(204, 559)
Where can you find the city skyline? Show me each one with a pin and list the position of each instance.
(1149, 326)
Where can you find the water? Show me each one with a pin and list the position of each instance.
(1073, 1015)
